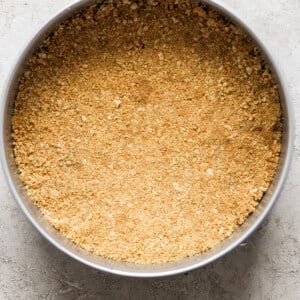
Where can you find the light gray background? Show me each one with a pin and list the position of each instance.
(268, 267)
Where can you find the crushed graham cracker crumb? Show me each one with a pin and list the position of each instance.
(147, 131)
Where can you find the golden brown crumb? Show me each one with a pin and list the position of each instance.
(147, 132)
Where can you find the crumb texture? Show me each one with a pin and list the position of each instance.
(147, 132)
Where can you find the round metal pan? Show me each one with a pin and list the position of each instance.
(123, 268)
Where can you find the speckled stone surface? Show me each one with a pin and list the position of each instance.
(266, 267)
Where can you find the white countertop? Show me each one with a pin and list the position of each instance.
(267, 267)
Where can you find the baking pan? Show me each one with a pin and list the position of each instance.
(122, 268)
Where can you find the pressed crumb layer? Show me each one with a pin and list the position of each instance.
(147, 132)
